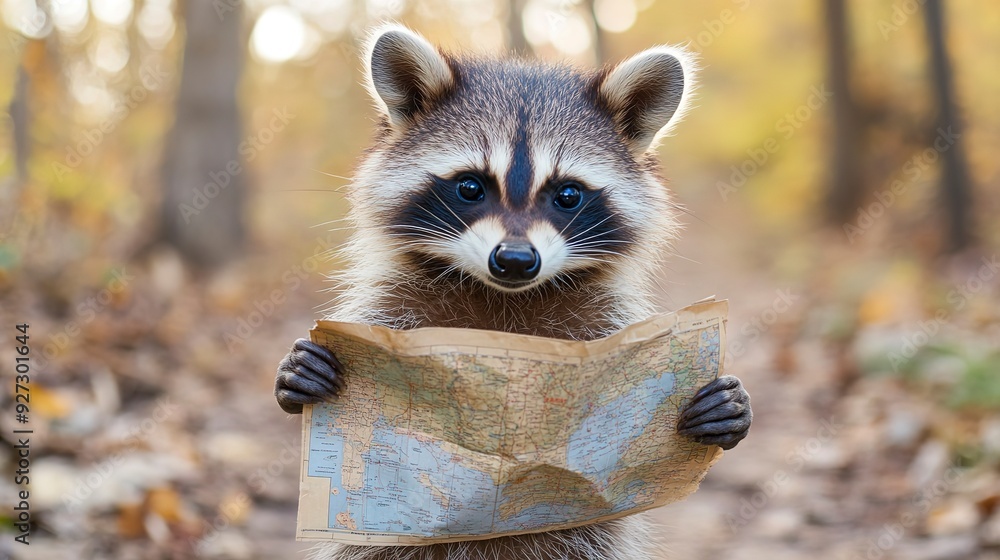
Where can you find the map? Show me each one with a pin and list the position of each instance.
(459, 434)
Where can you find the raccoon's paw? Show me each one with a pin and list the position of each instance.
(309, 374)
(719, 414)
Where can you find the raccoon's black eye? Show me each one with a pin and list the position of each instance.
(471, 189)
(569, 197)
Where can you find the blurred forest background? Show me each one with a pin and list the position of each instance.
(170, 174)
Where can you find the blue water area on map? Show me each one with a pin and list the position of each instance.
(604, 436)
(400, 472)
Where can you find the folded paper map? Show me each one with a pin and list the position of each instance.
(459, 434)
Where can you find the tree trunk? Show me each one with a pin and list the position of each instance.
(20, 117)
(516, 42)
(844, 190)
(204, 187)
(600, 54)
(956, 193)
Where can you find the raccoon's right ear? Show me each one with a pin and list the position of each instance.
(405, 74)
(648, 94)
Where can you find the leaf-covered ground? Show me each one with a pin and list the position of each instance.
(156, 435)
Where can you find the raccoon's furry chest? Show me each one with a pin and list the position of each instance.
(628, 538)
(402, 294)
(572, 310)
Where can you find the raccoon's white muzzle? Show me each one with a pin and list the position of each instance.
(488, 252)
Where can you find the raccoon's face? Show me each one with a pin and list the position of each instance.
(517, 174)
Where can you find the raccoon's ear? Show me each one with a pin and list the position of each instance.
(648, 94)
(405, 74)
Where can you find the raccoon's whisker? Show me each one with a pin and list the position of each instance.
(344, 219)
(595, 252)
(438, 234)
(460, 220)
(577, 215)
(589, 252)
(583, 259)
(598, 243)
(682, 257)
(596, 236)
(684, 209)
(592, 227)
(307, 190)
(440, 219)
(350, 228)
(332, 175)
(431, 247)
(435, 239)
(411, 226)
(595, 249)
(451, 232)
(596, 255)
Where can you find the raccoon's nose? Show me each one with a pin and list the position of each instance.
(515, 262)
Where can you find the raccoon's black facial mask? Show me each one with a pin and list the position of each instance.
(469, 223)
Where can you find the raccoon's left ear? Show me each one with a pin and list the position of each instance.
(648, 94)
(405, 74)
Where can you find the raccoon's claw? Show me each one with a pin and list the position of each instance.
(719, 414)
(309, 374)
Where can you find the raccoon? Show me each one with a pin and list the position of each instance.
(515, 196)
